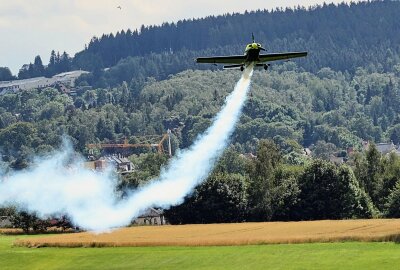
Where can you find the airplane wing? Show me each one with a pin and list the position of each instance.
(234, 59)
(281, 56)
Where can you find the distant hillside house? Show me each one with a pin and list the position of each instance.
(66, 78)
(121, 165)
(151, 217)
(383, 148)
(336, 160)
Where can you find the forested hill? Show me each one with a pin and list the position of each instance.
(342, 37)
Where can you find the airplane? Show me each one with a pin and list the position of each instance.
(119, 7)
(251, 56)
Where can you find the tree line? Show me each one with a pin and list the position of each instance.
(343, 36)
(57, 64)
(266, 188)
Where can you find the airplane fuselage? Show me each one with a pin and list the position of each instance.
(252, 52)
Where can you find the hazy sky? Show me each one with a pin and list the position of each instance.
(29, 28)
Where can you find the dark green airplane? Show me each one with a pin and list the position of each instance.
(251, 56)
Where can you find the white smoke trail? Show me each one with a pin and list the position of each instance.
(88, 198)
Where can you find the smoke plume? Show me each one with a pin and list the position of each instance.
(51, 187)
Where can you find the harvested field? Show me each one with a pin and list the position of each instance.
(11, 231)
(230, 234)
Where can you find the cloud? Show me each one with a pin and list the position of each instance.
(29, 28)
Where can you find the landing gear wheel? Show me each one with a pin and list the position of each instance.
(241, 68)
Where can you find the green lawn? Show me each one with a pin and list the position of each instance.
(350, 255)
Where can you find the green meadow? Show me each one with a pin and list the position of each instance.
(346, 255)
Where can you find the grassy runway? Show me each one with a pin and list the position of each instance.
(348, 255)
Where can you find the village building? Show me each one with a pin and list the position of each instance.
(336, 160)
(67, 79)
(151, 217)
(383, 148)
(121, 165)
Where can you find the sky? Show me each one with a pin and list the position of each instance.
(29, 28)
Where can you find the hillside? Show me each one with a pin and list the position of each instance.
(341, 37)
(329, 106)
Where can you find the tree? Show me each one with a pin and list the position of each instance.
(393, 204)
(262, 173)
(394, 134)
(324, 150)
(38, 68)
(64, 63)
(17, 135)
(390, 175)
(232, 162)
(27, 221)
(328, 192)
(147, 167)
(373, 181)
(105, 129)
(222, 198)
(52, 110)
(5, 74)
(285, 193)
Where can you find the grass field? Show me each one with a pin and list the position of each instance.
(348, 255)
(230, 234)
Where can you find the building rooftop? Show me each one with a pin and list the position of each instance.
(151, 212)
(385, 148)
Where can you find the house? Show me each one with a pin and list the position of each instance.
(5, 222)
(66, 78)
(336, 160)
(152, 216)
(383, 148)
(248, 156)
(121, 164)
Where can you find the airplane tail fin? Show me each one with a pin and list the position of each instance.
(252, 37)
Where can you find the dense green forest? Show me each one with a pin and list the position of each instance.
(286, 103)
(345, 92)
(342, 37)
(328, 111)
